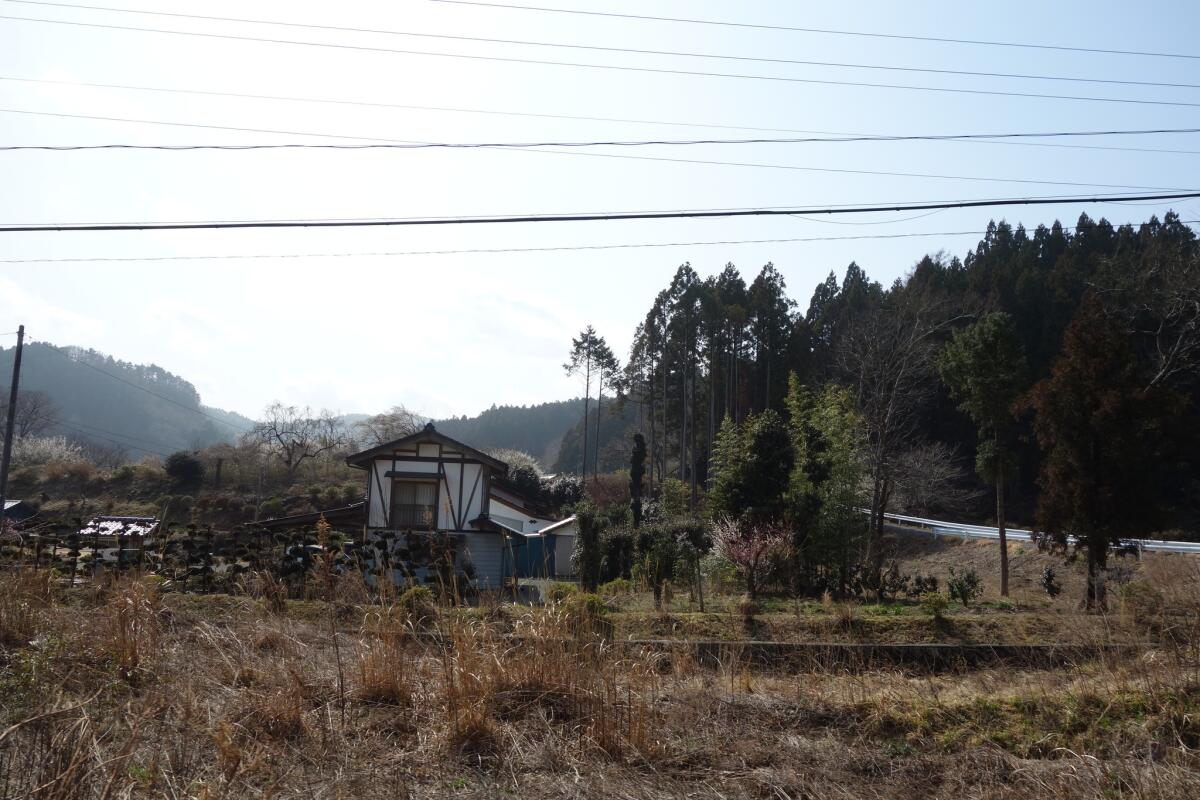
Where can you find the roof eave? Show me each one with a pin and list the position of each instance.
(360, 460)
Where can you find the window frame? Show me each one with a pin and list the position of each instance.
(394, 523)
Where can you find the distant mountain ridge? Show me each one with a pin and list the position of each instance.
(143, 409)
(146, 410)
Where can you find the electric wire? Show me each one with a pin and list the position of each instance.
(497, 250)
(609, 142)
(110, 439)
(840, 135)
(115, 433)
(611, 49)
(883, 222)
(534, 214)
(620, 216)
(616, 67)
(827, 31)
(661, 159)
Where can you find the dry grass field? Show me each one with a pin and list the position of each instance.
(118, 690)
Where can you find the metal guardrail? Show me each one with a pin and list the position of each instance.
(943, 528)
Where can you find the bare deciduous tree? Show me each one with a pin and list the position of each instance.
(35, 415)
(106, 456)
(887, 361)
(930, 479)
(393, 424)
(1162, 312)
(295, 435)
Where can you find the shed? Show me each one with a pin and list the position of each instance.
(17, 512)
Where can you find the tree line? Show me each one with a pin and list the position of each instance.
(1050, 375)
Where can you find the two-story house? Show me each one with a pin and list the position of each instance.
(429, 488)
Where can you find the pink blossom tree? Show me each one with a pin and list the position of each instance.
(749, 548)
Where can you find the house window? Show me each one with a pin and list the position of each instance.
(414, 505)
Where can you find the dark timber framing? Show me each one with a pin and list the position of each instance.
(428, 435)
(450, 453)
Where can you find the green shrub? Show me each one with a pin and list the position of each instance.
(1050, 582)
(587, 605)
(719, 573)
(616, 558)
(921, 585)
(417, 603)
(965, 587)
(586, 613)
(558, 592)
(184, 469)
(272, 508)
(674, 497)
(617, 586)
(934, 604)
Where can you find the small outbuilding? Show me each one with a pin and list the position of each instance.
(18, 512)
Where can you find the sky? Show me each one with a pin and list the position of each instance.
(357, 320)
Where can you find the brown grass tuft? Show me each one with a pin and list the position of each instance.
(384, 675)
(131, 625)
(276, 714)
(24, 592)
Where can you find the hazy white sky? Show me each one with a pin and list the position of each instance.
(455, 333)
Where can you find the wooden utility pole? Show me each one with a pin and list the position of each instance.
(12, 414)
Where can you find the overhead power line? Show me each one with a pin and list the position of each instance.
(141, 388)
(121, 442)
(536, 214)
(494, 250)
(828, 31)
(611, 49)
(616, 67)
(615, 216)
(574, 118)
(662, 159)
(126, 436)
(608, 142)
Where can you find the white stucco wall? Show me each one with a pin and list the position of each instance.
(450, 504)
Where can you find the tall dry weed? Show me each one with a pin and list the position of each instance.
(385, 675)
(24, 595)
(596, 700)
(131, 625)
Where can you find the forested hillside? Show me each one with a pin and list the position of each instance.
(537, 429)
(126, 408)
(724, 347)
(618, 422)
